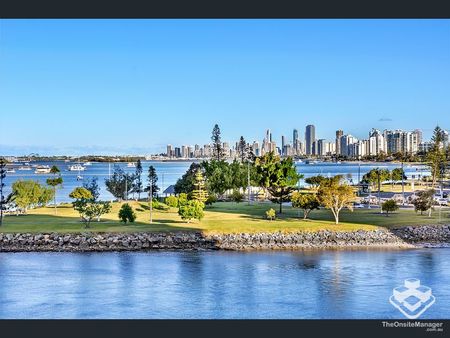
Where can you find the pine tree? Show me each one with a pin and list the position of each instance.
(152, 179)
(199, 193)
(218, 152)
(137, 184)
(243, 149)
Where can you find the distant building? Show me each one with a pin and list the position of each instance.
(169, 152)
(339, 134)
(310, 137)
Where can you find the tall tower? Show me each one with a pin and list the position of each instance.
(283, 144)
(295, 144)
(310, 137)
(339, 134)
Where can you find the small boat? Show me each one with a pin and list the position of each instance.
(131, 165)
(338, 162)
(66, 161)
(10, 171)
(76, 167)
(42, 169)
(299, 161)
(79, 178)
(26, 167)
(87, 163)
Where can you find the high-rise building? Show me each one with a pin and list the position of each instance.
(169, 152)
(310, 137)
(339, 134)
(283, 144)
(377, 143)
(345, 142)
(295, 144)
(177, 152)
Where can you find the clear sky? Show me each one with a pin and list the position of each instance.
(132, 86)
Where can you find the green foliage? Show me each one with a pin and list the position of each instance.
(305, 201)
(80, 193)
(54, 182)
(29, 194)
(211, 199)
(186, 183)
(172, 201)
(137, 186)
(120, 183)
(93, 187)
(218, 151)
(389, 206)
(126, 214)
(237, 196)
(279, 177)
(218, 176)
(334, 195)
(192, 210)
(397, 174)
(315, 181)
(424, 201)
(89, 209)
(436, 157)
(270, 214)
(199, 193)
(182, 199)
(152, 188)
(376, 176)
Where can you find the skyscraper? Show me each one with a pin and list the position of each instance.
(339, 134)
(283, 144)
(310, 137)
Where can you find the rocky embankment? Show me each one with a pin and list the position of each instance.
(405, 237)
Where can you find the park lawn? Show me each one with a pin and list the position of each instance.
(222, 217)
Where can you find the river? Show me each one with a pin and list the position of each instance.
(219, 284)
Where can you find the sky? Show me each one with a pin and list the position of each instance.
(133, 86)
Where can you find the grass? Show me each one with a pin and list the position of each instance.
(222, 217)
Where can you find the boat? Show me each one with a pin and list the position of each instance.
(87, 163)
(10, 171)
(76, 167)
(42, 169)
(131, 165)
(26, 167)
(299, 161)
(338, 162)
(79, 178)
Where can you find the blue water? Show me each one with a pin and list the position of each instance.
(170, 172)
(316, 284)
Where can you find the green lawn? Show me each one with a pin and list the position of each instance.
(222, 217)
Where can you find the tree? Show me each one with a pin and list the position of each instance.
(54, 182)
(137, 184)
(218, 151)
(186, 183)
(30, 194)
(376, 176)
(389, 206)
(100, 208)
(192, 210)
(182, 199)
(81, 193)
(436, 156)
(126, 214)
(270, 214)
(334, 195)
(237, 196)
(424, 201)
(119, 183)
(199, 193)
(93, 187)
(398, 174)
(306, 201)
(243, 149)
(315, 181)
(152, 188)
(218, 176)
(279, 177)
(2, 185)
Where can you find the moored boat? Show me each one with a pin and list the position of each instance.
(42, 169)
(76, 167)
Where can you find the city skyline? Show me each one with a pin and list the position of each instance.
(120, 86)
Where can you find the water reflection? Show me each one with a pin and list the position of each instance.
(315, 284)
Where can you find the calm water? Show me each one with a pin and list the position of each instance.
(170, 172)
(322, 284)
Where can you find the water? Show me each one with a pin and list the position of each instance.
(316, 284)
(170, 172)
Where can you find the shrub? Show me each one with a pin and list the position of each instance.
(172, 201)
(305, 201)
(182, 199)
(193, 209)
(389, 206)
(270, 214)
(126, 214)
(237, 196)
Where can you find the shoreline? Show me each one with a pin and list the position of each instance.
(427, 236)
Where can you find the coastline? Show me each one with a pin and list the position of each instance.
(397, 238)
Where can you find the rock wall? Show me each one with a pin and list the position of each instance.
(401, 237)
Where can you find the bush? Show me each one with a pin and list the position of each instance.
(126, 214)
(182, 199)
(236, 196)
(193, 209)
(172, 201)
(270, 214)
(389, 206)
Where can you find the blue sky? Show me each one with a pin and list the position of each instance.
(132, 86)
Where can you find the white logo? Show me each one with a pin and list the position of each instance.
(412, 299)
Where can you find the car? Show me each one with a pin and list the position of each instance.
(441, 201)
